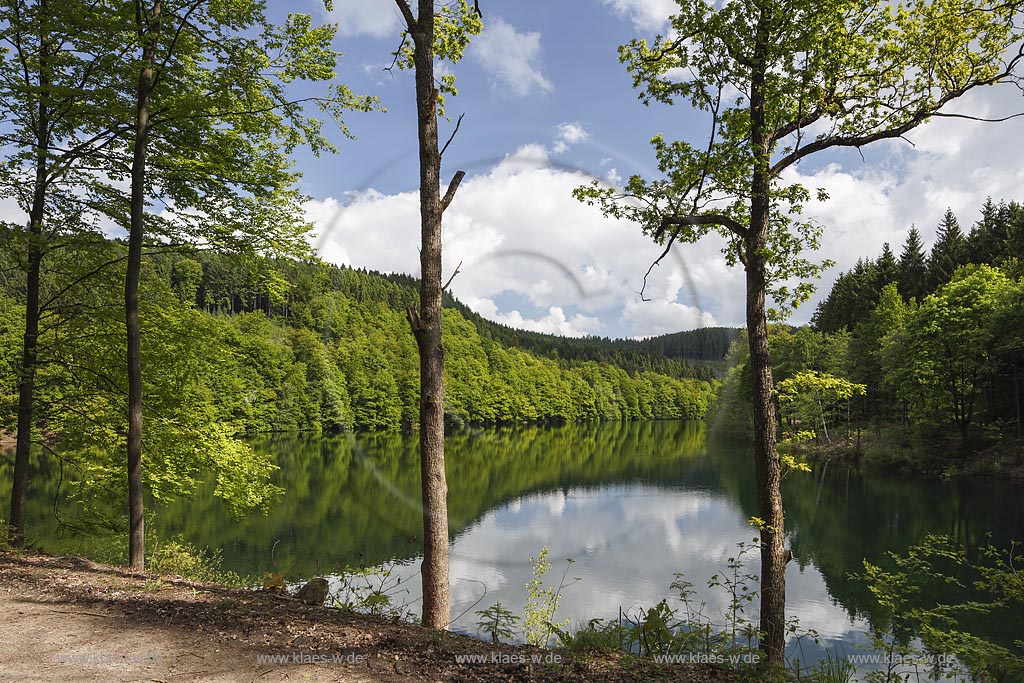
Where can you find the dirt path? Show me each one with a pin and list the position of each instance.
(68, 620)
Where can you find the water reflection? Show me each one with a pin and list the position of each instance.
(630, 503)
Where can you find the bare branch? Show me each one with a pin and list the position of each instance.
(657, 261)
(453, 186)
(457, 271)
(398, 53)
(457, 124)
(410, 20)
(944, 115)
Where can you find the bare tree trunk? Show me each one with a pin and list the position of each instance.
(27, 380)
(150, 28)
(426, 326)
(774, 555)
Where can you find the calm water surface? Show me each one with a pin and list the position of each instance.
(630, 504)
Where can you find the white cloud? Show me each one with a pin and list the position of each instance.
(517, 230)
(950, 163)
(568, 134)
(511, 58)
(367, 17)
(555, 322)
(646, 15)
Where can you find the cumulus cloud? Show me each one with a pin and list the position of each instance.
(517, 230)
(947, 163)
(512, 58)
(568, 134)
(646, 15)
(366, 17)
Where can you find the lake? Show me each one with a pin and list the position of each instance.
(631, 504)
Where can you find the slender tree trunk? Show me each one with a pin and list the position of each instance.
(26, 386)
(150, 27)
(774, 555)
(1016, 396)
(426, 326)
(35, 251)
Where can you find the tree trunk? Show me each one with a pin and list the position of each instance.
(26, 386)
(27, 379)
(150, 28)
(774, 555)
(427, 329)
(1016, 396)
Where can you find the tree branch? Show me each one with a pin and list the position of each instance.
(657, 261)
(453, 186)
(410, 20)
(457, 271)
(457, 124)
(925, 112)
(722, 220)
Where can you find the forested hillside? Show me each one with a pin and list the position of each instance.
(285, 345)
(924, 351)
(225, 284)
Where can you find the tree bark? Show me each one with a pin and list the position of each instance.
(150, 28)
(774, 555)
(26, 386)
(27, 379)
(426, 327)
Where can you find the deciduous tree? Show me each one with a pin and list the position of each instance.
(781, 82)
(444, 34)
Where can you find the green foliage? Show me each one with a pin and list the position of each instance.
(952, 345)
(497, 621)
(927, 596)
(598, 635)
(12, 327)
(811, 397)
(180, 558)
(370, 590)
(455, 23)
(542, 602)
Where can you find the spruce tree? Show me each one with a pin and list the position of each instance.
(913, 268)
(948, 252)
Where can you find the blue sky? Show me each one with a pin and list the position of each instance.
(548, 107)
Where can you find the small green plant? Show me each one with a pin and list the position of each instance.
(927, 595)
(542, 602)
(179, 557)
(497, 621)
(598, 635)
(833, 668)
(371, 590)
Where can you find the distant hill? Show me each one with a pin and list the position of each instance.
(690, 353)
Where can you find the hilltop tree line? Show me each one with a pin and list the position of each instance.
(286, 288)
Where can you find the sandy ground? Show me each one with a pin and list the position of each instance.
(68, 620)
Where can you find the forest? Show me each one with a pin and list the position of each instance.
(922, 352)
(294, 346)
